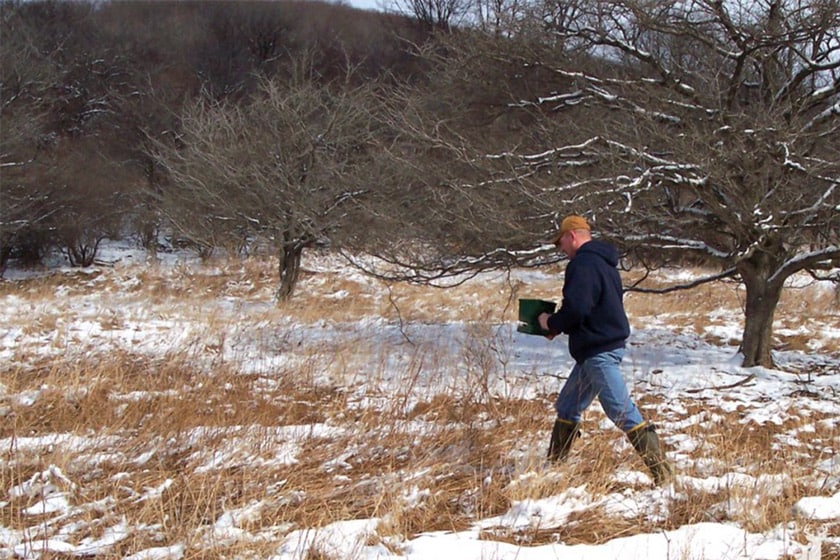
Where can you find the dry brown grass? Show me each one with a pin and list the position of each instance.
(417, 461)
(387, 461)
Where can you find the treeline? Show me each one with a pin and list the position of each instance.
(89, 89)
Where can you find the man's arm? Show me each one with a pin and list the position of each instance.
(579, 296)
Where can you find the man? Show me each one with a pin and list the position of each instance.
(592, 314)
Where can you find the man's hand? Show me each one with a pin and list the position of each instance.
(542, 319)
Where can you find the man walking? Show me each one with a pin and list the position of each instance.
(592, 314)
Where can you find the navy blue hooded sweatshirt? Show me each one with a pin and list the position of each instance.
(592, 312)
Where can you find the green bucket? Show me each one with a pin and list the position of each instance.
(529, 310)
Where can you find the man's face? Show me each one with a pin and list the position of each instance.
(567, 244)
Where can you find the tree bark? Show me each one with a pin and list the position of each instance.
(762, 298)
(289, 268)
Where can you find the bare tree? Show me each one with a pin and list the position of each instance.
(280, 168)
(434, 14)
(726, 144)
(703, 128)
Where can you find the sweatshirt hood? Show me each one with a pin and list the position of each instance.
(599, 249)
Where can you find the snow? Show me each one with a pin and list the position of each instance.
(818, 507)
(662, 361)
(702, 541)
(175, 552)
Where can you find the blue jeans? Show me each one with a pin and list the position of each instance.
(599, 376)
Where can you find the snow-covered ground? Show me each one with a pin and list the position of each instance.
(684, 380)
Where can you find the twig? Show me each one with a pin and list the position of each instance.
(744, 381)
(393, 303)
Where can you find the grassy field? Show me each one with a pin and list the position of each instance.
(157, 405)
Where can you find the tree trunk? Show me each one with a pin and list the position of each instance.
(762, 297)
(289, 268)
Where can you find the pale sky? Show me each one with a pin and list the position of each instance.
(367, 4)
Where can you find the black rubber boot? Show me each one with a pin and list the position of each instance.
(646, 442)
(562, 436)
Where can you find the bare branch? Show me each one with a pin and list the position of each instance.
(728, 273)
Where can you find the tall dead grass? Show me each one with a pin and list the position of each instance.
(148, 455)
